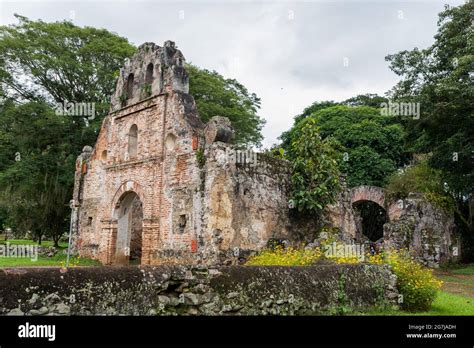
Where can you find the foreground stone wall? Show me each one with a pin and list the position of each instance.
(186, 290)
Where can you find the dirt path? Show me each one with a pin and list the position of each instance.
(459, 284)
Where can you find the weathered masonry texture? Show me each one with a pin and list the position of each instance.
(413, 223)
(196, 290)
(160, 186)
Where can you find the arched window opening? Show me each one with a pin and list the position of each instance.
(149, 74)
(130, 85)
(132, 141)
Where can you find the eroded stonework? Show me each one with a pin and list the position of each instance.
(414, 224)
(160, 186)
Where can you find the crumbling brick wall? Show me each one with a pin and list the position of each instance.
(196, 208)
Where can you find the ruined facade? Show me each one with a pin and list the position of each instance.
(160, 186)
(414, 224)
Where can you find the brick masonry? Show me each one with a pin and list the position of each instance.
(199, 202)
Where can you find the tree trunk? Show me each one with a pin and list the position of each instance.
(56, 238)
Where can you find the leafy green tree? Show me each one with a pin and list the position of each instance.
(60, 62)
(370, 99)
(36, 178)
(440, 79)
(315, 174)
(373, 144)
(42, 64)
(215, 95)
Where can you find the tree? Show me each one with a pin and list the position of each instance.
(315, 173)
(60, 62)
(440, 79)
(369, 99)
(36, 180)
(42, 64)
(373, 144)
(215, 95)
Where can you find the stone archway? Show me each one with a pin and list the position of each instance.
(126, 226)
(129, 216)
(368, 193)
(369, 206)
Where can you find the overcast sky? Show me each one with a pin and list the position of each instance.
(290, 53)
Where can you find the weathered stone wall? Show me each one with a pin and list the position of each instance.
(414, 224)
(186, 290)
(424, 229)
(246, 201)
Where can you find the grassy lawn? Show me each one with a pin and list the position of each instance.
(45, 243)
(57, 260)
(444, 304)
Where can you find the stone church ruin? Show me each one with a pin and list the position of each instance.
(160, 186)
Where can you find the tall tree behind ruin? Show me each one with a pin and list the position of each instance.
(216, 95)
(41, 65)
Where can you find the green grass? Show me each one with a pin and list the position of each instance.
(45, 243)
(57, 260)
(444, 304)
(469, 270)
(451, 304)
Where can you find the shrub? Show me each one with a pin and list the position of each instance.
(415, 283)
(424, 179)
(315, 171)
(280, 256)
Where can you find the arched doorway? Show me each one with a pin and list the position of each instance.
(370, 218)
(129, 214)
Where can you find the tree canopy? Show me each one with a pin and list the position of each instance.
(440, 78)
(217, 96)
(372, 144)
